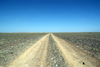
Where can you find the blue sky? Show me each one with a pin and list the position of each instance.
(49, 15)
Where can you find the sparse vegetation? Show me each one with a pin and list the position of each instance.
(55, 57)
(9, 39)
(13, 44)
(88, 41)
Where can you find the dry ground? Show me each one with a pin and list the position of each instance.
(52, 51)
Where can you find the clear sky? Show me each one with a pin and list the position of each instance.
(49, 15)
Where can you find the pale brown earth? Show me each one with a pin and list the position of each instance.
(51, 51)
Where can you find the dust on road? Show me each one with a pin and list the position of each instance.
(51, 51)
(34, 56)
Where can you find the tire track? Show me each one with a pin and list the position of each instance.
(40, 58)
(51, 51)
(55, 58)
(31, 56)
(74, 58)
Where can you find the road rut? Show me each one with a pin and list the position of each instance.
(51, 51)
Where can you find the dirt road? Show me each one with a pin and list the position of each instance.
(51, 51)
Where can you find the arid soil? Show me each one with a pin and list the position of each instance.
(88, 42)
(14, 44)
(73, 56)
(52, 51)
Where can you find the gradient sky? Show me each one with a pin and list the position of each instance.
(49, 15)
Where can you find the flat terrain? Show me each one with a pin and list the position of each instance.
(86, 42)
(52, 51)
(13, 44)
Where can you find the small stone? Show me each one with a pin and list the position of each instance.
(92, 55)
(56, 65)
(11, 46)
(76, 46)
(11, 52)
(83, 63)
(51, 58)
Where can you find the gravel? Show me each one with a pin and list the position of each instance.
(11, 52)
(54, 56)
